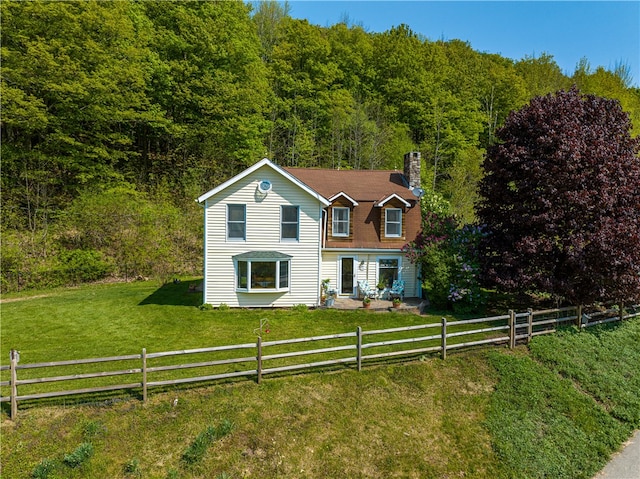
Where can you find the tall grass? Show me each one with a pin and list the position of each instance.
(198, 448)
(541, 426)
(604, 361)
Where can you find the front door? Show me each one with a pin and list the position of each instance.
(346, 275)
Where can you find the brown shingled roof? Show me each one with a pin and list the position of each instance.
(367, 188)
(361, 185)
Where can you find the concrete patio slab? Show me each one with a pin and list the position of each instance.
(379, 305)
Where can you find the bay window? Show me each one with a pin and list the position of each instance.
(262, 271)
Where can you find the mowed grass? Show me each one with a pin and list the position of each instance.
(117, 319)
(389, 421)
(121, 319)
(486, 412)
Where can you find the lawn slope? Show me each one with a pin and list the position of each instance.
(557, 408)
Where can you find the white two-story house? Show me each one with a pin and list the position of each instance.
(272, 234)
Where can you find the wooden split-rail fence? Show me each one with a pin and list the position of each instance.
(151, 369)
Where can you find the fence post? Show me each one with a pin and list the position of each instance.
(443, 353)
(512, 329)
(579, 316)
(144, 374)
(359, 347)
(259, 359)
(14, 357)
(529, 325)
(621, 311)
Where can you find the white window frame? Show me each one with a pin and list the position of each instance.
(334, 222)
(383, 258)
(279, 287)
(229, 222)
(387, 223)
(283, 222)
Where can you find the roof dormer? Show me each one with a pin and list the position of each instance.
(341, 216)
(342, 194)
(393, 196)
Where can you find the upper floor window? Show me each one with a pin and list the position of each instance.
(340, 222)
(236, 222)
(393, 223)
(289, 222)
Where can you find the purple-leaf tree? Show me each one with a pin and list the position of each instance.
(560, 201)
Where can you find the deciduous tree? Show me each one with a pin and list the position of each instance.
(561, 200)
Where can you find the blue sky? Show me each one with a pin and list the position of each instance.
(606, 33)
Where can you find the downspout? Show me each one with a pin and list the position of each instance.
(366, 273)
(204, 252)
(323, 232)
(323, 219)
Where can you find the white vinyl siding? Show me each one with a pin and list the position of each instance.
(263, 233)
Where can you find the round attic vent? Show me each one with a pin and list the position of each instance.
(264, 187)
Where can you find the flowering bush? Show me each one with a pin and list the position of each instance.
(447, 255)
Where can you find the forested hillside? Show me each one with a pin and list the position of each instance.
(116, 115)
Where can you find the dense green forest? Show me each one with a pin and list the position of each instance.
(117, 114)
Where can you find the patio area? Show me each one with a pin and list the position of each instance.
(411, 305)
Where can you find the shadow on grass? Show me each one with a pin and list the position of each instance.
(175, 294)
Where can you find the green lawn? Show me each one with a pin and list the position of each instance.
(121, 319)
(488, 412)
(116, 319)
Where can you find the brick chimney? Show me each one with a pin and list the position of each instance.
(412, 169)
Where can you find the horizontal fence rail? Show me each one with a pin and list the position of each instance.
(160, 369)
